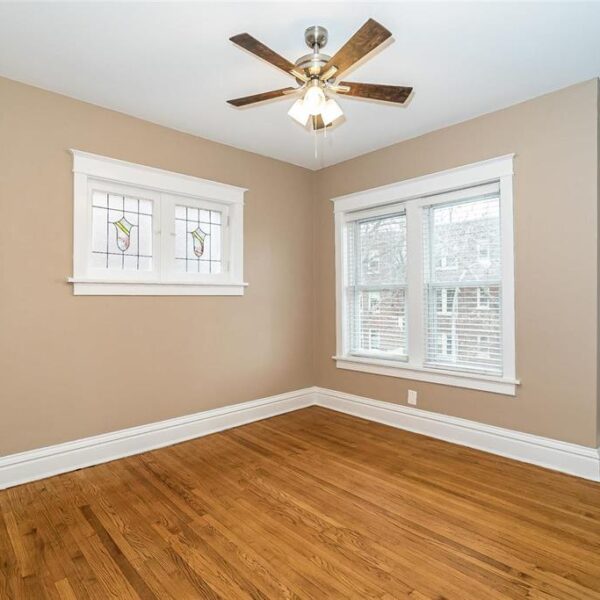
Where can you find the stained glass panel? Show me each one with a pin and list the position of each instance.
(197, 240)
(121, 232)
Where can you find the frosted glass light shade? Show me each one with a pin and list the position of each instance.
(314, 99)
(299, 112)
(331, 111)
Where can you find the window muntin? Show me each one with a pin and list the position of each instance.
(376, 290)
(468, 233)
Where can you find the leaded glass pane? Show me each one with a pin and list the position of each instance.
(215, 242)
(198, 235)
(121, 232)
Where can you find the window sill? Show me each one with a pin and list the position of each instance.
(96, 287)
(497, 385)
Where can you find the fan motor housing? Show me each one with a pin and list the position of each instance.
(312, 64)
(315, 35)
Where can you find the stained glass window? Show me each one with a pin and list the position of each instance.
(139, 230)
(197, 240)
(121, 232)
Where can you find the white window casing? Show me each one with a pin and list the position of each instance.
(176, 235)
(470, 210)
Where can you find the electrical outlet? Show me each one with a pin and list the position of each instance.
(412, 397)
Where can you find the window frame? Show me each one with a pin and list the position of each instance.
(415, 195)
(166, 189)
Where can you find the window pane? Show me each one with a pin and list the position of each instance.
(197, 241)
(381, 250)
(121, 232)
(215, 243)
(462, 268)
(464, 333)
(464, 241)
(378, 325)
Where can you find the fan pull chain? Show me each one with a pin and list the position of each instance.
(324, 146)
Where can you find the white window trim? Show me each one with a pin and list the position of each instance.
(418, 190)
(88, 167)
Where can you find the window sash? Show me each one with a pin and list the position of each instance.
(120, 189)
(170, 272)
(467, 355)
(356, 327)
(361, 320)
(450, 337)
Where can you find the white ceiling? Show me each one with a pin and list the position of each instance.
(172, 63)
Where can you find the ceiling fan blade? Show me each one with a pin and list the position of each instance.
(367, 38)
(246, 41)
(374, 91)
(261, 97)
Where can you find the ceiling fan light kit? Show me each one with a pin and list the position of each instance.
(299, 112)
(331, 111)
(314, 97)
(317, 75)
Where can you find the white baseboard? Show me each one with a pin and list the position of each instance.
(580, 461)
(61, 458)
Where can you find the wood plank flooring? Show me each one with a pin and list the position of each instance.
(312, 504)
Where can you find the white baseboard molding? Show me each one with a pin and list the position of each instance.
(36, 464)
(580, 461)
(32, 465)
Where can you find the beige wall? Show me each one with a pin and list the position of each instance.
(76, 366)
(555, 139)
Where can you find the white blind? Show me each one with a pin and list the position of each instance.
(462, 276)
(376, 285)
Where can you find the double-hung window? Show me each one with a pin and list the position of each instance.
(140, 230)
(425, 284)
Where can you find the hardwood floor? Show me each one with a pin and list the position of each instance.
(312, 504)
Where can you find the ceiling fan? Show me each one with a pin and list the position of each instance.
(317, 74)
